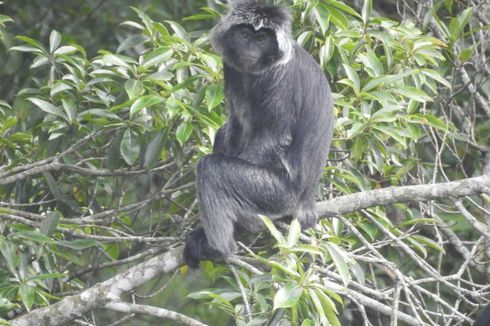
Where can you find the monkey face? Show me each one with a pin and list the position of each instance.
(250, 50)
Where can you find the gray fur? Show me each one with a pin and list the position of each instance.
(270, 154)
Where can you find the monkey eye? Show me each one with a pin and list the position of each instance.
(244, 36)
(261, 39)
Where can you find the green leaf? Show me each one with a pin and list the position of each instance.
(160, 76)
(67, 49)
(146, 20)
(157, 56)
(358, 273)
(312, 250)
(356, 129)
(132, 41)
(412, 93)
(25, 48)
(338, 255)
(448, 4)
(288, 296)
(419, 247)
(464, 18)
(214, 96)
(39, 61)
(10, 122)
(393, 132)
(130, 147)
(353, 76)
(26, 294)
(54, 40)
(115, 60)
(154, 149)
(4, 19)
(132, 24)
(294, 232)
(436, 76)
(134, 88)
(326, 51)
(5, 104)
(338, 19)
(98, 112)
(9, 253)
(273, 230)
(372, 65)
(288, 270)
(322, 16)
(467, 53)
(68, 256)
(343, 7)
(179, 30)
(436, 122)
(428, 242)
(359, 147)
(47, 107)
(226, 304)
(144, 102)
(112, 250)
(32, 42)
(329, 308)
(386, 114)
(318, 305)
(366, 10)
(58, 87)
(49, 224)
(384, 80)
(70, 110)
(428, 119)
(6, 306)
(349, 83)
(34, 236)
(184, 131)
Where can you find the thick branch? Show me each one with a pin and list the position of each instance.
(102, 293)
(380, 197)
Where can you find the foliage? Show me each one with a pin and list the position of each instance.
(97, 157)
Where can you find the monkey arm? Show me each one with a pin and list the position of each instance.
(228, 139)
(219, 145)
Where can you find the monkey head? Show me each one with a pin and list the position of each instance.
(252, 36)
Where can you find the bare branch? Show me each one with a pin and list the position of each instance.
(153, 311)
(55, 166)
(102, 293)
(380, 197)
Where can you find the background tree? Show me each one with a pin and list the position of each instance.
(99, 143)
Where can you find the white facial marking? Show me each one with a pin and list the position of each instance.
(285, 46)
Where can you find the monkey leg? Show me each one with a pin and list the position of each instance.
(306, 214)
(197, 248)
(232, 191)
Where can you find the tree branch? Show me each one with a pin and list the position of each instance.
(108, 291)
(381, 197)
(102, 293)
(55, 166)
(153, 311)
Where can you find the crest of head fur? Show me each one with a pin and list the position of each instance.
(258, 15)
